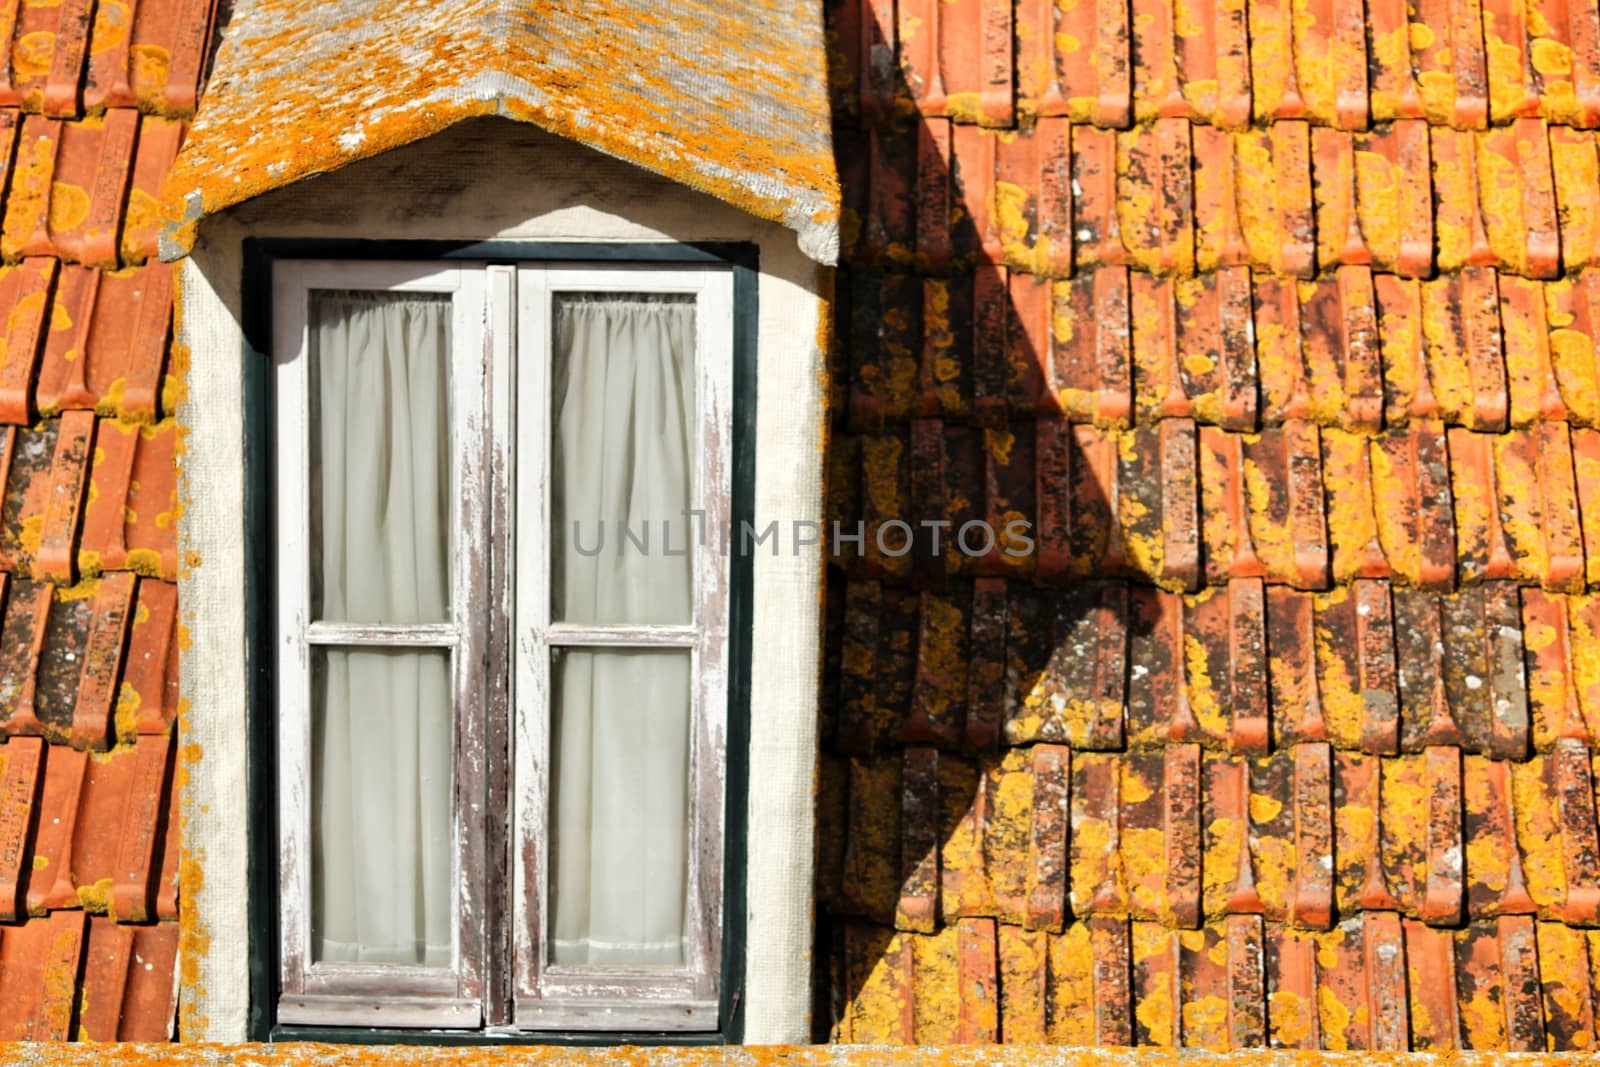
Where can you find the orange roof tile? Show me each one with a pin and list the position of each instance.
(91, 114)
(1276, 323)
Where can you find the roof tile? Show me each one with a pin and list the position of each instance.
(1074, 63)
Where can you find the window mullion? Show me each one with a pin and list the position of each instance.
(531, 623)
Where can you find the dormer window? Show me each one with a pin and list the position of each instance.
(503, 656)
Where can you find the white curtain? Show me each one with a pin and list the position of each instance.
(623, 405)
(382, 737)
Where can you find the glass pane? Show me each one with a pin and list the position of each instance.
(382, 886)
(619, 807)
(380, 457)
(622, 458)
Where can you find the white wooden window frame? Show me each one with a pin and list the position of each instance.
(617, 998)
(500, 426)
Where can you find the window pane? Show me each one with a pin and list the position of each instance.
(380, 457)
(622, 458)
(619, 807)
(381, 749)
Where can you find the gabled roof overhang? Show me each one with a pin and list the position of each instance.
(728, 97)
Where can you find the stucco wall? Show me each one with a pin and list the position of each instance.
(493, 179)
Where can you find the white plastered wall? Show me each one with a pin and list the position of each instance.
(493, 179)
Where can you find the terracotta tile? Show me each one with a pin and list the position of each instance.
(1191, 62)
(1518, 198)
(918, 907)
(1193, 353)
(1263, 503)
(1462, 333)
(985, 857)
(885, 479)
(916, 37)
(1419, 539)
(1229, 868)
(102, 663)
(1074, 63)
(1028, 362)
(1532, 389)
(150, 53)
(1066, 666)
(878, 973)
(1026, 982)
(52, 883)
(1361, 880)
(1394, 200)
(144, 1001)
(1090, 361)
(885, 315)
(1516, 508)
(1293, 1018)
(1156, 498)
(1097, 882)
(976, 57)
(944, 376)
(1157, 991)
(1333, 656)
(1293, 676)
(1550, 642)
(1047, 846)
(1353, 531)
(1158, 700)
(1033, 199)
(43, 56)
(21, 773)
(1286, 391)
(933, 214)
(1463, 239)
(1219, 234)
(1310, 62)
(148, 696)
(1154, 196)
(1575, 807)
(1460, 665)
(1572, 313)
(39, 962)
(939, 693)
(991, 349)
(875, 71)
(131, 519)
(159, 139)
(1428, 61)
(1567, 986)
(107, 346)
(56, 556)
(986, 675)
(1431, 972)
(888, 232)
(1586, 471)
(27, 619)
(1513, 83)
(1407, 377)
(25, 296)
(870, 886)
(979, 1021)
(1272, 193)
(1097, 226)
(107, 953)
(1319, 351)
(1539, 834)
(1495, 882)
(1576, 176)
(43, 493)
